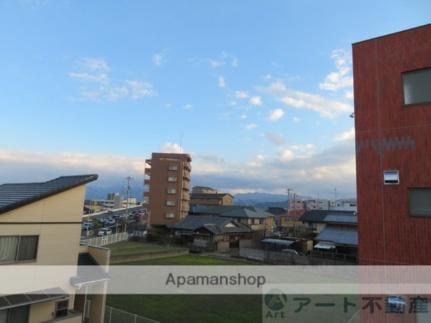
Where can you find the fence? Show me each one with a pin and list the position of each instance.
(105, 240)
(115, 315)
(289, 258)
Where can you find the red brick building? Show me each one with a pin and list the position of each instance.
(392, 86)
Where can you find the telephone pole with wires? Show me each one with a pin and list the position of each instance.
(128, 179)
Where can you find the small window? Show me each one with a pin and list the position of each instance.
(61, 308)
(172, 179)
(417, 86)
(27, 249)
(170, 215)
(172, 191)
(391, 177)
(420, 201)
(173, 167)
(171, 203)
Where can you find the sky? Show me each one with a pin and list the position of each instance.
(258, 92)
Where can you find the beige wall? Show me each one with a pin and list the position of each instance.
(59, 241)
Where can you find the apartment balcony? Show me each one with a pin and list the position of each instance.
(186, 185)
(185, 207)
(148, 161)
(187, 166)
(185, 196)
(186, 175)
(146, 182)
(148, 171)
(147, 194)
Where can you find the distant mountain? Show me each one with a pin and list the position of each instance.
(260, 199)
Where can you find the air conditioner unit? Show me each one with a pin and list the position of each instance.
(391, 177)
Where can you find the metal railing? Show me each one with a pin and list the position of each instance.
(115, 315)
(105, 240)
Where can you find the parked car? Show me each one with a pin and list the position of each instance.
(87, 225)
(104, 232)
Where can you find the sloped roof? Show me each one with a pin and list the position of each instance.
(339, 235)
(208, 195)
(13, 196)
(232, 211)
(341, 219)
(320, 215)
(214, 224)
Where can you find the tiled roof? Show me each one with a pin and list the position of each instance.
(339, 235)
(232, 211)
(341, 219)
(13, 196)
(215, 224)
(320, 215)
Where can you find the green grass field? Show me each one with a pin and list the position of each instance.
(214, 308)
(132, 248)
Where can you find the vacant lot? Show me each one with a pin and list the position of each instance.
(129, 251)
(216, 308)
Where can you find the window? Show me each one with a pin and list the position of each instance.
(417, 86)
(18, 248)
(61, 308)
(15, 315)
(172, 179)
(171, 203)
(170, 215)
(420, 201)
(173, 167)
(172, 191)
(391, 177)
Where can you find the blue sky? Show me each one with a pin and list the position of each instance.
(259, 92)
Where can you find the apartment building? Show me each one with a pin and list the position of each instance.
(168, 181)
(392, 76)
(40, 224)
(392, 90)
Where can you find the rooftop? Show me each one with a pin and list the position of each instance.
(339, 235)
(321, 215)
(232, 211)
(214, 224)
(13, 196)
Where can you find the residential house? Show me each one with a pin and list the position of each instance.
(40, 224)
(214, 233)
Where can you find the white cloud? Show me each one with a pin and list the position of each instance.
(346, 135)
(286, 155)
(97, 85)
(241, 94)
(276, 115)
(188, 107)
(256, 100)
(224, 59)
(221, 82)
(342, 77)
(243, 116)
(309, 171)
(296, 119)
(348, 95)
(251, 126)
(275, 138)
(172, 148)
(301, 100)
(140, 89)
(159, 58)
(257, 161)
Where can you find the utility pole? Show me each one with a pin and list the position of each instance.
(128, 179)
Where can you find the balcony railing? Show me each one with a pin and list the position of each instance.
(146, 182)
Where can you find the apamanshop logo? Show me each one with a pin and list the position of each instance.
(274, 306)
